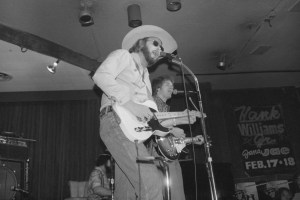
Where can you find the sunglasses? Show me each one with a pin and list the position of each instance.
(156, 44)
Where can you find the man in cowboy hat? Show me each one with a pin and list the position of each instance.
(124, 79)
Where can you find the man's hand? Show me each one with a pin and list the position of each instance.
(142, 112)
(199, 140)
(177, 132)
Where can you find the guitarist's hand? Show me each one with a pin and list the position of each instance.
(177, 132)
(142, 112)
(199, 140)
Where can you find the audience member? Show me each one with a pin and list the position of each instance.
(283, 193)
(296, 187)
(98, 184)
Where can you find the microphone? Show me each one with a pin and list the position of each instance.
(14, 188)
(175, 92)
(171, 57)
(167, 55)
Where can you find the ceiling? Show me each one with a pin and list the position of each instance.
(259, 38)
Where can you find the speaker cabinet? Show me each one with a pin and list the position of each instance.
(14, 166)
(14, 151)
(13, 174)
(223, 181)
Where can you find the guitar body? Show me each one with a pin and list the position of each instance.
(170, 147)
(135, 129)
(166, 147)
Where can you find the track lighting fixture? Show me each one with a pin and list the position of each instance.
(5, 76)
(173, 5)
(222, 62)
(52, 68)
(134, 15)
(85, 15)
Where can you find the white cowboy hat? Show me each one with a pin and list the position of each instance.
(168, 42)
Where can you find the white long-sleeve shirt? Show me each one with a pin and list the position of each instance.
(119, 78)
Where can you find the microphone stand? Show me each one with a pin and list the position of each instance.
(112, 179)
(207, 143)
(14, 188)
(166, 172)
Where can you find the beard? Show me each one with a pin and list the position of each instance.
(147, 55)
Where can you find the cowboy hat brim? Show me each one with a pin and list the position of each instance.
(168, 42)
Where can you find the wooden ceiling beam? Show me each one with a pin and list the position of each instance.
(46, 47)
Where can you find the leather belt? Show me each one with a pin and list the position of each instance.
(106, 110)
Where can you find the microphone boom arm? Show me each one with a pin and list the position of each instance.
(207, 141)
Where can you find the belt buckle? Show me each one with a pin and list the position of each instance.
(102, 112)
(108, 109)
(105, 110)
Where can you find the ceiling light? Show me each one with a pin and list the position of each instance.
(222, 62)
(134, 15)
(85, 18)
(52, 68)
(5, 76)
(173, 5)
(85, 15)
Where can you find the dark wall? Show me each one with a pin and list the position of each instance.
(223, 180)
(225, 127)
(64, 127)
(196, 173)
(221, 127)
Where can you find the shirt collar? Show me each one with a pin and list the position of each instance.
(137, 61)
(156, 97)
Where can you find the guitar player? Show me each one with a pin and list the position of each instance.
(162, 90)
(123, 77)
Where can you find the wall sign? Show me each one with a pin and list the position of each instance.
(265, 148)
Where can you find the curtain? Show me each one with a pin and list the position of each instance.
(67, 142)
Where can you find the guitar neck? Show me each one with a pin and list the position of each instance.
(187, 140)
(190, 140)
(168, 115)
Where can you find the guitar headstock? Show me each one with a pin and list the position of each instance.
(198, 114)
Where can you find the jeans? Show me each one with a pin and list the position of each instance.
(175, 172)
(129, 183)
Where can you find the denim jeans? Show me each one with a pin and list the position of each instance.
(129, 183)
(175, 172)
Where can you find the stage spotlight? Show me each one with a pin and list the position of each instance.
(85, 18)
(173, 5)
(85, 15)
(222, 62)
(134, 15)
(52, 68)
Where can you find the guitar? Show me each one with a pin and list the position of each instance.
(169, 115)
(135, 129)
(170, 147)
